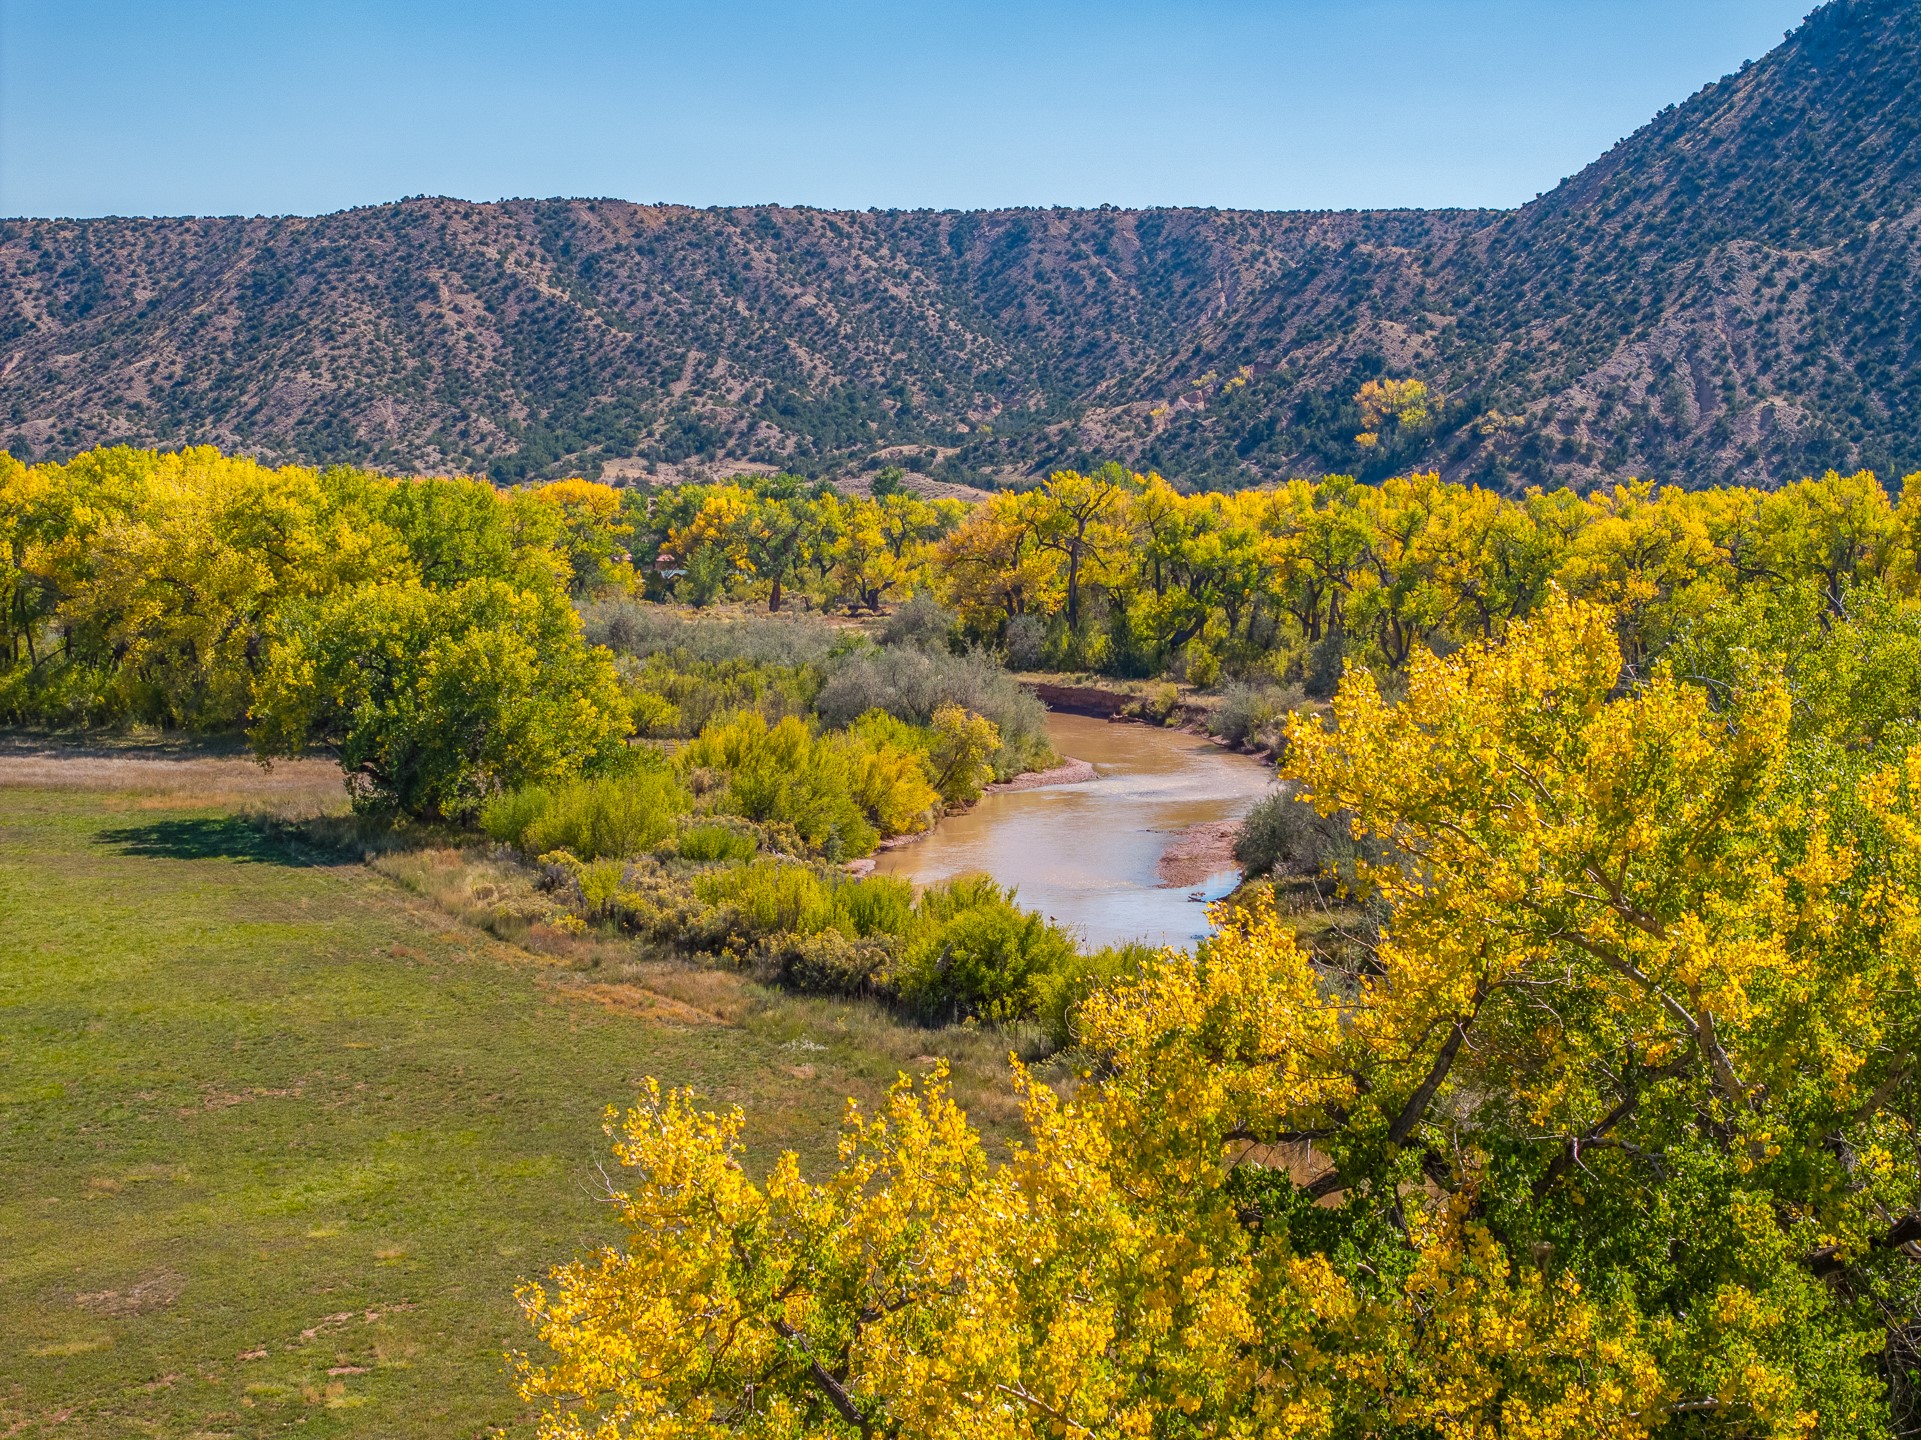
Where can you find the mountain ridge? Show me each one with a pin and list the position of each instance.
(1731, 293)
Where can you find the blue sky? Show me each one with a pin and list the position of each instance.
(271, 106)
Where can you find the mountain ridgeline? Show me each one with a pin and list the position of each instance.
(1732, 294)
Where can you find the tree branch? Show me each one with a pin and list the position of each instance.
(1883, 1092)
(1423, 1096)
(1903, 1232)
(835, 1392)
(1021, 1393)
(1702, 1030)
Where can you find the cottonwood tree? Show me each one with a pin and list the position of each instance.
(1612, 1130)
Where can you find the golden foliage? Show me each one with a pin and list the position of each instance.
(1630, 993)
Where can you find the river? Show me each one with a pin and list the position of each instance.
(1086, 855)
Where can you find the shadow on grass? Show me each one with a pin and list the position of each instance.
(223, 838)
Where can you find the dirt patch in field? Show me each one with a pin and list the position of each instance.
(648, 1004)
(154, 1293)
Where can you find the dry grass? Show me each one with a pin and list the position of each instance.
(159, 772)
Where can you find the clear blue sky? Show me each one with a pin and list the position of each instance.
(270, 106)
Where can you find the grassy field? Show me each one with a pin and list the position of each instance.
(279, 1137)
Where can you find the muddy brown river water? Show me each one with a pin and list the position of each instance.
(1087, 854)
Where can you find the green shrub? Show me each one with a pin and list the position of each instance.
(633, 627)
(1202, 666)
(610, 818)
(978, 955)
(876, 905)
(437, 699)
(1325, 662)
(679, 695)
(914, 685)
(1059, 994)
(1160, 702)
(923, 623)
(713, 842)
(771, 896)
(840, 792)
(954, 897)
(599, 882)
(507, 816)
(962, 755)
(825, 963)
(1253, 715)
(1026, 642)
(775, 896)
(1285, 830)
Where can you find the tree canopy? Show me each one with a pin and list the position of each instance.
(1610, 1130)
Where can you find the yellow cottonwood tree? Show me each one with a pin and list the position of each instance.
(1610, 1130)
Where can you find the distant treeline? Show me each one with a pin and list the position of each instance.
(1121, 573)
(200, 591)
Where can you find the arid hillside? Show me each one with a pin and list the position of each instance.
(1732, 293)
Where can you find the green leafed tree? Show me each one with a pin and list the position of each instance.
(437, 699)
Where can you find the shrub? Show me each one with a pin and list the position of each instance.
(678, 695)
(771, 896)
(1159, 702)
(974, 954)
(1325, 661)
(1025, 642)
(608, 818)
(1285, 830)
(611, 818)
(599, 882)
(437, 699)
(1202, 666)
(705, 577)
(653, 714)
(1059, 994)
(776, 897)
(633, 627)
(827, 963)
(962, 753)
(1252, 714)
(783, 773)
(942, 902)
(507, 816)
(891, 786)
(709, 843)
(840, 792)
(874, 905)
(913, 684)
(922, 623)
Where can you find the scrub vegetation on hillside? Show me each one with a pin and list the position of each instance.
(1729, 294)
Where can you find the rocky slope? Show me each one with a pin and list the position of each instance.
(1734, 292)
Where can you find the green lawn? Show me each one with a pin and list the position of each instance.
(278, 1139)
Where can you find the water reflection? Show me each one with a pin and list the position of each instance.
(1087, 854)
